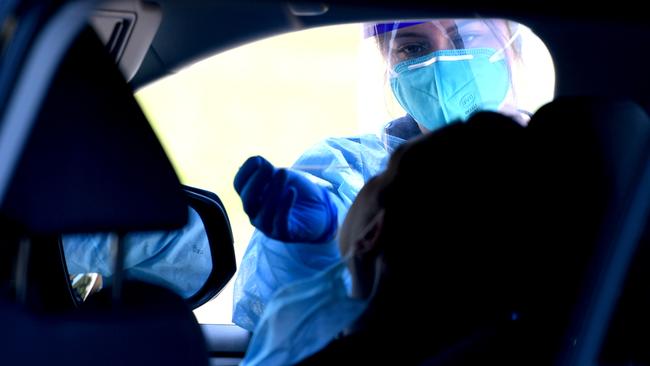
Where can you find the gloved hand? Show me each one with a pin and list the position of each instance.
(284, 204)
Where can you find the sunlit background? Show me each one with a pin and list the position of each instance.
(276, 98)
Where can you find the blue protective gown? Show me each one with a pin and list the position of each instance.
(179, 260)
(342, 165)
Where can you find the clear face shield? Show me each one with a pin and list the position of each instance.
(445, 70)
(419, 76)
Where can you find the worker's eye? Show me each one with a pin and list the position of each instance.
(411, 50)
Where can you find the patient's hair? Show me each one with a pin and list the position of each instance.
(457, 214)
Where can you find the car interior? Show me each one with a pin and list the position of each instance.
(79, 155)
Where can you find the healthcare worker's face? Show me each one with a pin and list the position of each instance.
(445, 70)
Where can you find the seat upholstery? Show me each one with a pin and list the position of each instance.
(588, 155)
(593, 154)
(92, 161)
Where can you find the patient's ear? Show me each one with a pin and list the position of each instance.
(368, 243)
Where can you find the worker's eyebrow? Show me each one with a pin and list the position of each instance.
(409, 34)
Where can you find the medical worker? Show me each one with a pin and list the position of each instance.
(440, 72)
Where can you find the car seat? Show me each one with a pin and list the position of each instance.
(92, 163)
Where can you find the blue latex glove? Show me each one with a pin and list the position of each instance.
(285, 205)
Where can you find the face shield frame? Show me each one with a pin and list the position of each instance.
(400, 41)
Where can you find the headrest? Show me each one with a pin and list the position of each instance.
(590, 151)
(590, 135)
(92, 162)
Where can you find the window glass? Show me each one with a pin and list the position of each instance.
(279, 96)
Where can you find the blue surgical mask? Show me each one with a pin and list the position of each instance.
(450, 85)
(302, 318)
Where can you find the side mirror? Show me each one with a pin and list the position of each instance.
(196, 261)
